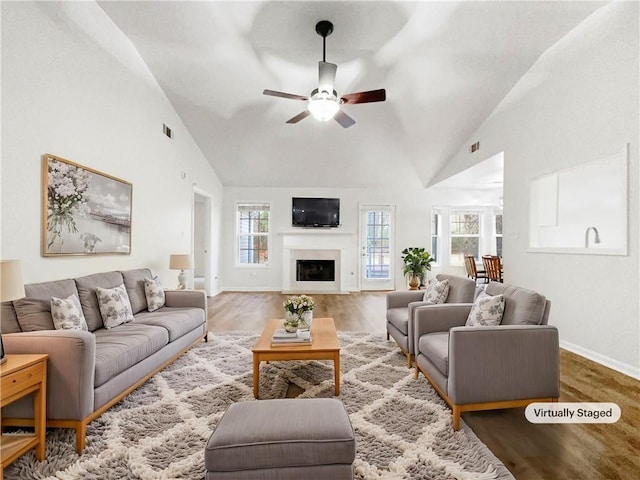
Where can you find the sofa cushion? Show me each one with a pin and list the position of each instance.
(134, 283)
(399, 318)
(87, 294)
(9, 323)
(437, 292)
(487, 310)
(123, 346)
(114, 306)
(521, 306)
(435, 346)
(67, 313)
(154, 293)
(176, 320)
(34, 311)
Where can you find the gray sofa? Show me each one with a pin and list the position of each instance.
(401, 306)
(490, 367)
(90, 371)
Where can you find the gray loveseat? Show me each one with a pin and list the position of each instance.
(490, 367)
(90, 371)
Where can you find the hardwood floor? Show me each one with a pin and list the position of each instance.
(530, 452)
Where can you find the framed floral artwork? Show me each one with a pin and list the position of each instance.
(84, 212)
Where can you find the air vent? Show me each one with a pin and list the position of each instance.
(474, 148)
(167, 131)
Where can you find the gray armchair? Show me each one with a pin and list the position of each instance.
(485, 368)
(401, 307)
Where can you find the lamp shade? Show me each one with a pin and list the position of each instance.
(181, 262)
(11, 285)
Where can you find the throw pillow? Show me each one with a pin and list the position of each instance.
(67, 313)
(154, 293)
(437, 292)
(487, 310)
(114, 304)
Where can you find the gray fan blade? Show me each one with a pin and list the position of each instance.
(343, 119)
(291, 96)
(300, 116)
(327, 76)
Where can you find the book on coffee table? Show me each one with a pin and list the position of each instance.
(282, 337)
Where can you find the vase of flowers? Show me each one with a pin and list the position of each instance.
(299, 310)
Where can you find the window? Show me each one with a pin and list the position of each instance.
(378, 244)
(253, 233)
(465, 235)
(498, 227)
(436, 233)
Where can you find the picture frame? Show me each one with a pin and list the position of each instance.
(84, 211)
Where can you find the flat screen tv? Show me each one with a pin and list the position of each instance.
(315, 212)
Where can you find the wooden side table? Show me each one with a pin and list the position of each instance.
(20, 376)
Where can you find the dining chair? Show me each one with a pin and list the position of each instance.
(472, 271)
(493, 267)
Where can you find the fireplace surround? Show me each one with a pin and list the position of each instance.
(322, 249)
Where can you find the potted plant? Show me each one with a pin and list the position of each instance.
(416, 261)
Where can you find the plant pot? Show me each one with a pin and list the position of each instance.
(414, 282)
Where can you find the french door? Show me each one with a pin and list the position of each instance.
(377, 234)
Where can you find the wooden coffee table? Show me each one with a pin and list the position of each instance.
(324, 346)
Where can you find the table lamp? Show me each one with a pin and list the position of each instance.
(181, 262)
(11, 288)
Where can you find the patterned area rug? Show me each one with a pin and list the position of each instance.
(403, 428)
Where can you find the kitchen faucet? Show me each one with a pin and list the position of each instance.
(586, 236)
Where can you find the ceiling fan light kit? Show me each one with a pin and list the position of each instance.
(324, 102)
(323, 105)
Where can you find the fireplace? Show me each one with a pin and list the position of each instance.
(315, 270)
(321, 259)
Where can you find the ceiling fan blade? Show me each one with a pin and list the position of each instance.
(302, 115)
(291, 96)
(327, 76)
(343, 119)
(365, 97)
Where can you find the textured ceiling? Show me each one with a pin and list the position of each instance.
(445, 67)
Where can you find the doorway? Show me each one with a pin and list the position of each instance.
(201, 242)
(377, 235)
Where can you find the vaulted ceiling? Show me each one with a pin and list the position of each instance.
(445, 66)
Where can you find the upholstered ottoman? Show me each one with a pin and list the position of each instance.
(285, 439)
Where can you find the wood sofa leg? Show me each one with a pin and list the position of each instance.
(455, 409)
(408, 360)
(81, 432)
(416, 373)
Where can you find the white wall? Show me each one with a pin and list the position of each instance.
(412, 229)
(74, 87)
(578, 103)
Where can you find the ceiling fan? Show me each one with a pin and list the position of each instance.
(324, 103)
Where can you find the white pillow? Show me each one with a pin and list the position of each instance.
(437, 292)
(154, 293)
(115, 306)
(487, 310)
(67, 313)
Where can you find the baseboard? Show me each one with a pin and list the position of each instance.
(307, 292)
(602, 359)
(248, 289)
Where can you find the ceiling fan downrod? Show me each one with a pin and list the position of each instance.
(324, 28)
